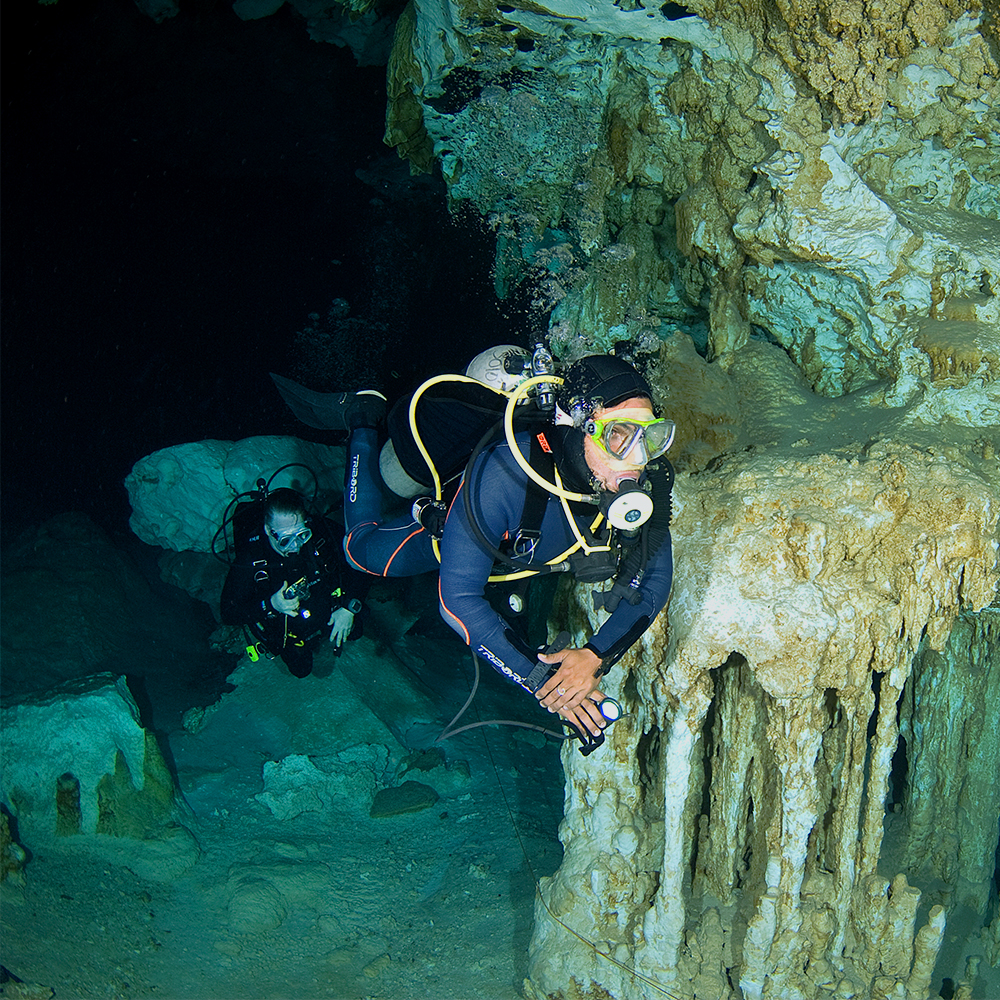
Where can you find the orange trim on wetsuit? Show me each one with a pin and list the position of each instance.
(347, 548)
(461, 483)
(396, 551)
(461, 624)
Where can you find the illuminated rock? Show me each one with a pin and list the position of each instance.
(79, 768)
(829, 580)
(807, 197)
(84, 728)
(297, 784)
(828, 177)
(179, 495)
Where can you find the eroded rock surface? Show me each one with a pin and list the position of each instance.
(738, 821)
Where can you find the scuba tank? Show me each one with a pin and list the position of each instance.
(434, 430)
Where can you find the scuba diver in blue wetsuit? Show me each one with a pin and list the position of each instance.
(573, 477)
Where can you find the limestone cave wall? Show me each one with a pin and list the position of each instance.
(824, 176)
(795, 210)
(803, 794)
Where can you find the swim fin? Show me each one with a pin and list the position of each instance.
(315, 409)
(331, 411)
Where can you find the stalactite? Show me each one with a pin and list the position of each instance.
(740, 755)
(883, 746)
(953, 747)
(847, 816)
(664, 922)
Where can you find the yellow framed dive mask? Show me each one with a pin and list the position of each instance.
(634, 441)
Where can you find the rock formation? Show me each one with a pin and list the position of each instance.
(809, 196)
(738, 823)
(179, 495)
(79, 769)
(825, 175)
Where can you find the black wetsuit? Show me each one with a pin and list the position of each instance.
(259, 571)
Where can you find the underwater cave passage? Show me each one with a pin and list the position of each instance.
(675, 11)
(873, 718)
(897, 774)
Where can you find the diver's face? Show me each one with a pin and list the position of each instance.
(608, 471)
(287, 533)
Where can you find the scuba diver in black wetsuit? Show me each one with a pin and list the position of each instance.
(288, 584)
(576, 481)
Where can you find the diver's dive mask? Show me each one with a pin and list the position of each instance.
(634, 441)
(291, 541)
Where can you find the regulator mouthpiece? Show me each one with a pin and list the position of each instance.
(629, 508)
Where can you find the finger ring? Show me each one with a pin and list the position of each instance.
(561, 690)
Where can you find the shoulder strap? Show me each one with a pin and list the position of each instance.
(536, 497)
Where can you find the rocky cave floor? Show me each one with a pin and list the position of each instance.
(436, 903)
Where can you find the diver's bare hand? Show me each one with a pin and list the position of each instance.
(575, 681)
(282, 604)
(341, 622)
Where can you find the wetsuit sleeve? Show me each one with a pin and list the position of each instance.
(497, 495)
(629, 621)
(356, 585)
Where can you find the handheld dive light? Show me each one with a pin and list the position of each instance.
(610, 709)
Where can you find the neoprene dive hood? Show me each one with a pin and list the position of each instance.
(593, 382)
(599, 380)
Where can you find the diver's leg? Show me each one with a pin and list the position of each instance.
(362, 481)
(278, 639)
(401, 547)
(298, 659)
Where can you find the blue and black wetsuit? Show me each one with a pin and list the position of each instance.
(499, 486)
(399, 547)
(403, 548)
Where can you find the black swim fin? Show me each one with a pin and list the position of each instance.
(332, 411)
(322, 410)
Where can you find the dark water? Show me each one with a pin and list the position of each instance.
(177, 199)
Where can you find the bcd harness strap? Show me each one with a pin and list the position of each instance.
(529, 528)
(596, 567)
